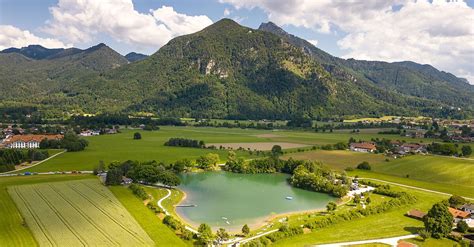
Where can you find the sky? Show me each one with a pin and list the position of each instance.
(436, 32)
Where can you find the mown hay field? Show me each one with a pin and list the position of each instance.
(77, 213)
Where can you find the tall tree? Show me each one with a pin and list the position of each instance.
(439, 220)
(205, 234)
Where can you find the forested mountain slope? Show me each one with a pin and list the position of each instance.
(228, 71)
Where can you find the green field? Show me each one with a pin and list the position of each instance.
(161, 234)
(445, 174)
(390, 224)
(13, 231)
(77, 213)
(121, 147)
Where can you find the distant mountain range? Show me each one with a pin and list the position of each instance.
(227, 71)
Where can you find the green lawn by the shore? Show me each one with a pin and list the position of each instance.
(13, 232)
(158, 232)
(389, 224)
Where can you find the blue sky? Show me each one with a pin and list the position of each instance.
(426, 31)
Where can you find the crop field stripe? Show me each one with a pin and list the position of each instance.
(55, 210)
(100, 193)
(28, 207)
(84, 215)
(132, 233)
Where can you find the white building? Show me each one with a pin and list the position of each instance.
(28, 141)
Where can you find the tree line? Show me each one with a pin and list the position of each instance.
(183, 142)
(9, 158)
(71, 142)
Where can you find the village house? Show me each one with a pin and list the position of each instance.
(468, 207)
(460, 215)
(365, 147)
(28, 141)
(89, 133)
(413, 148)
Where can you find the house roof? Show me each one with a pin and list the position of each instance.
(416, 213)
(458, 213)
(31, 138)
(363, 145)
(468, 206)
(412, 145)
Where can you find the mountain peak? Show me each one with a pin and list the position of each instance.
(223, 24)
(272, 28)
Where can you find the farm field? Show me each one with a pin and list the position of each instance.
(121, 147)
(12, 229)
(262, 146)
(159, 233)
(385, 225)
(77, 213)
(337, 159)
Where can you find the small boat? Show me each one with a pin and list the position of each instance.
(224, 218)
(289, 198)
(227, 222)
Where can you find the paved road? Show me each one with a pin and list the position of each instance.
(162, 199)
(390, 241)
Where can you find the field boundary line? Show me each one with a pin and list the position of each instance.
(35, 217)
(85, 216)
(40, 162)
(132, 233)
(414, 187)
(61, 218)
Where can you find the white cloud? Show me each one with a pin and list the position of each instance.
(11, 36)
(81, 20)
(313, 41)
(227, 12)
(437, 32)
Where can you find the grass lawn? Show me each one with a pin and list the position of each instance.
(446, 188)
(168, 203)
(438, 169)
(75, 213)
(160, 233)
(13, 231)
(389, 224)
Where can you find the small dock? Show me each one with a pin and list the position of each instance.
(187, 206)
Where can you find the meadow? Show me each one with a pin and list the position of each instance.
(77, 213)
(159, 233)
(121, 147)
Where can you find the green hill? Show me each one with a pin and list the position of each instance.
(230, 71)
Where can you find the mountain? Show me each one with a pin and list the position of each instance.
(56, 80)
(408, 78)
(133, 57)
(230, 71)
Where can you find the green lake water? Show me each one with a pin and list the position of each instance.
(230, 200)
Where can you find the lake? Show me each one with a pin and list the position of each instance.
(230, 200)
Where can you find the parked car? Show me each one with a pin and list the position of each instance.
(27, 173)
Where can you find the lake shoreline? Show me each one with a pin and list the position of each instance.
(257, 223)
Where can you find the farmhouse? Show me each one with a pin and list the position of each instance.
(459, 215)
(28, 141)
(417, 214)
(365, 147)
(413, 148)
(468, 207)
(89, 133)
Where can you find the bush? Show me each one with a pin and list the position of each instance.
(137, 136)
(462, 226)
(138, 191)
(364, 166)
